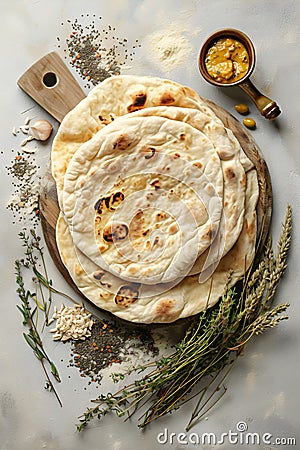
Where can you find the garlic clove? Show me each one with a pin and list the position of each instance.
(41, 130)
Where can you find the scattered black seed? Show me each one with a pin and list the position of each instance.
(110, 343)
(25, 179)
(93, 60)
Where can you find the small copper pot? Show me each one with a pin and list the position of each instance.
(268, 108)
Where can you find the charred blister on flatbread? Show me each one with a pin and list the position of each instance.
(212, 232)
(118, 197)
(115, 232)
(98, 276)
(156, 241)
(165, 310)
(161, 215)
(109, 202)
(123, 142)
(176, 155)
(167, 99)
(127, 295)
(138, 102)
(198, 164)
(230, 173)
(156, 184)
(99, 205)
(150, 152)
(106, 120)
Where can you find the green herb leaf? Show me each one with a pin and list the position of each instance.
(40, 276)
(30, 341)
(54, 372)
(38, 303)
(39, 354)
(24, 313)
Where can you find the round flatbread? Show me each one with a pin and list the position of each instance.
(187, 298)
(156, 185)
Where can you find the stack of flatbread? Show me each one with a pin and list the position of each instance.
(157, 200)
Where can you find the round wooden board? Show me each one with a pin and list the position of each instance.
(49, 209)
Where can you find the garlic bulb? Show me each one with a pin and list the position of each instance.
(41, 130)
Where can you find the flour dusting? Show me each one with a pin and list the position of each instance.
(168, 48)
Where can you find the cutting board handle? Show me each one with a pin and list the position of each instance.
(50, 83)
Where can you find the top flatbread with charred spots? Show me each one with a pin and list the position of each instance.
(181, 180)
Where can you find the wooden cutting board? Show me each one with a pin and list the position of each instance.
(52, 86)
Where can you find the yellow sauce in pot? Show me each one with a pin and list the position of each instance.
(227, 60)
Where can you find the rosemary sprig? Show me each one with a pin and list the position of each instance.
(208, 349)
(33, 338)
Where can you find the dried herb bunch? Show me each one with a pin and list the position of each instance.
(208, 349)
(34, 301)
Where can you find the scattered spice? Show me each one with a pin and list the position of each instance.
(25, 180)
(24, 171)
(96, 53)
(110, 343)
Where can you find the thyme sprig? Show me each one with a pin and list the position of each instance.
(33, 255)
(208, 350)
(33, 337)
(32, 302)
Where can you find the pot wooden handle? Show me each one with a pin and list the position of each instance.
(50, 83)
(268, 108)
